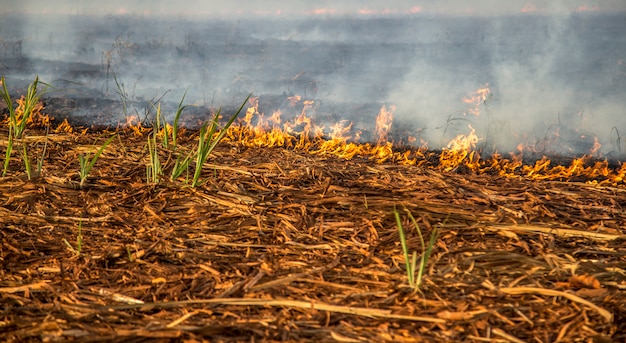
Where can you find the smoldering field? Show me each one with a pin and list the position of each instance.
(556, 82)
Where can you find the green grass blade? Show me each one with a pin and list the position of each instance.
(159, 126)
(155, 163)
(98, 153)
(212, 128)
(405, 249)
(426, 256)
(417, 228)
(416, 281)
(9, 102)
(7, 158)
(154, 170)
(200, 155)
(27, 165)
(179, 111)
(30, 101)
(7, 98)
(81, 161)
(17, 127)
(86, 165)
(229, 123)
(180, 167)
(208, 141)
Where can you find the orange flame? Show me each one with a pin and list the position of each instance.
(384, 120)
(481, 95)
(460, 151)
(596, 147)
(302, 134)
(341, 131)
(36, 117)
(134, 123)
(64, 127)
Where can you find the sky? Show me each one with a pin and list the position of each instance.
(199, 8)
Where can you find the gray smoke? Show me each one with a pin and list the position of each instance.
(559, 74)
(556, 70)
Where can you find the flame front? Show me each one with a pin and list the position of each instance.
(303, 134)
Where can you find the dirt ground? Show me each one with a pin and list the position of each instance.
(283, 245)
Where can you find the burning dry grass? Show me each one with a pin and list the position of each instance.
(282, 244)
(293, 237)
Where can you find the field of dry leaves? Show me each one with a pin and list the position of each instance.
(292, 243)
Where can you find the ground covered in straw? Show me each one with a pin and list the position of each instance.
(280, 245)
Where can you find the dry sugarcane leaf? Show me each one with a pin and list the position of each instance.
(463, 315)
(584, 281)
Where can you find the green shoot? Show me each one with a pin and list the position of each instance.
(7, 99)
(26, 161)
(204, 145)
(7, 157)
(208, 141)
(18, 120)
(86, 164)
(160, 125)
(180, 166)
(154, 171)
(12, 118)
(427, 249)
(179, 111)
(414, 271)
(405, 249)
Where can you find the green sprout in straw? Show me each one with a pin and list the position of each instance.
(414, 272)
(86, 164)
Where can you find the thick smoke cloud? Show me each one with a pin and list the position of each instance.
(556, 70)
(550, 76)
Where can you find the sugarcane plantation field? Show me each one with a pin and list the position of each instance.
(282, 244)
(239, 232)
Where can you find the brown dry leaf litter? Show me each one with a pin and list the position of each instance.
(284, 246)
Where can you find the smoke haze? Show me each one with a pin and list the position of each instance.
(556, 70)
(213, 8)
